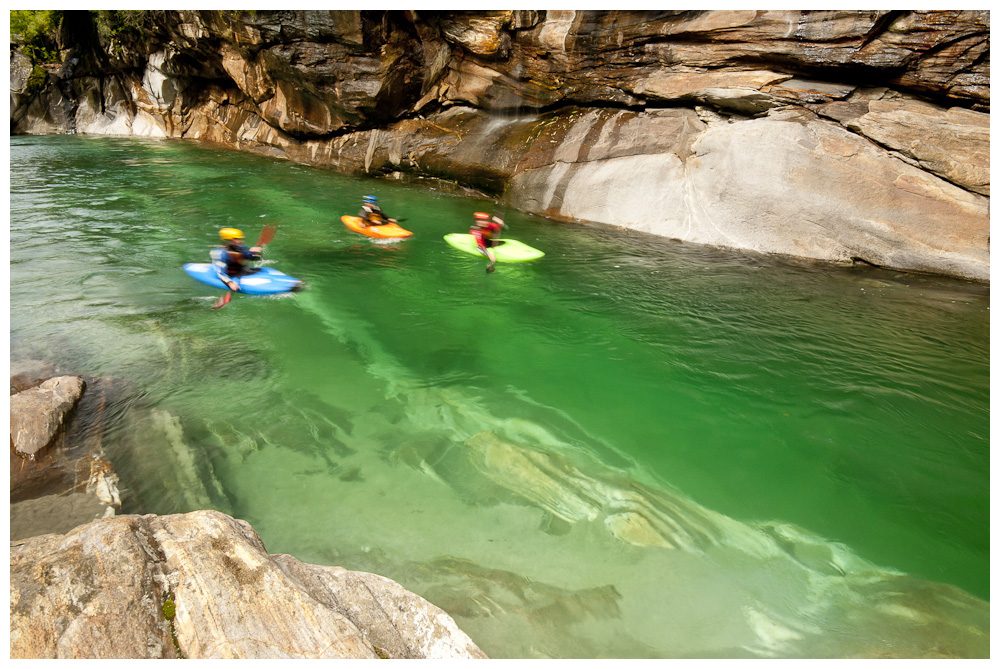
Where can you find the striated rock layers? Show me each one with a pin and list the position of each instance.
(201, 585)
(835, 135)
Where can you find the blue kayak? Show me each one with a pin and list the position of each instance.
(263, 280)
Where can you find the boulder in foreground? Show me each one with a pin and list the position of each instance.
(202, 585)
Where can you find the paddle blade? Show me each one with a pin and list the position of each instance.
(224, 300)
(266, 235)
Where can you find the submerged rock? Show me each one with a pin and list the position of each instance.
(716, 585)
(54, 514)
(202, 585)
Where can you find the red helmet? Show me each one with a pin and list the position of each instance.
(481, 216)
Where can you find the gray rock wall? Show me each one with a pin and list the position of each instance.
(787, 183)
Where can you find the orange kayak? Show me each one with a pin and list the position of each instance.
(385, 231)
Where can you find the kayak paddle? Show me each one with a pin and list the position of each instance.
(493, 243)
(224, 300)
(266, 235)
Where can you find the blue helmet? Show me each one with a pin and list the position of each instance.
(369, 198)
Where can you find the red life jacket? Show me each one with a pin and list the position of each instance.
(484, 233)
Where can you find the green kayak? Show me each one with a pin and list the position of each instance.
(506, 250)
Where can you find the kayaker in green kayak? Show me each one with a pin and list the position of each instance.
(486, 231)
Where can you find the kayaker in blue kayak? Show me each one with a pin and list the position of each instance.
(371, 213)
(486, 231)
(230, 259)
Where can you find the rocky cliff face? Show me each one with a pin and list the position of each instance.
(837, 135)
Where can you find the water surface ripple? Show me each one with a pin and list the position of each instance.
(631, 448)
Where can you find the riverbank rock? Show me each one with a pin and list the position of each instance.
(201, 585)
(872, 127)
(68, 481)
(37, 414)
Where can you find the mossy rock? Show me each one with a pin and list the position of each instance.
(168, 609)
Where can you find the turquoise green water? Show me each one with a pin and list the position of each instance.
(631, 448)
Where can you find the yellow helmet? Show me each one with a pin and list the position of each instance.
(230, 233)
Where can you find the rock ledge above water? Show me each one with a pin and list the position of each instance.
(128, 586)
